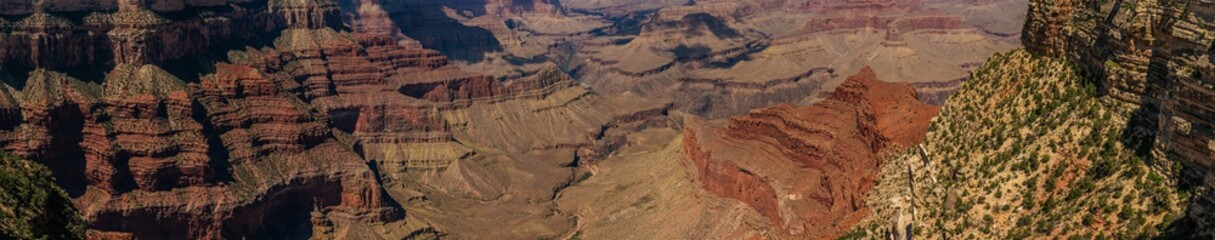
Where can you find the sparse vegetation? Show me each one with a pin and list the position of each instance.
(584, 176)
(1026, 149)
(31, 206)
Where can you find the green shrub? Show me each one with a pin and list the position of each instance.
(1127, 212)
(35, 207)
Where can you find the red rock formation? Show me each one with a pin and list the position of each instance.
(730, 181)
(153, 130)
(901, 116)
(808, 168)
(150, 156)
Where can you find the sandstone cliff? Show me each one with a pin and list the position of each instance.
(127, 106)
(721, 58)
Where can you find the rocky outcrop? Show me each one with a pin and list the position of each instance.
(1155, 58)
(152, 126)
(861, 5)
(102, 35)
(143, 155)
(808, 168)
(171, 119)
(275, 120)
(730, 181)
(156, 139)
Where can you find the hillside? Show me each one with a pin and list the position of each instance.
(780, 172)
(1028, 148)
(1101, 128)
(31, 206)
(607, 119)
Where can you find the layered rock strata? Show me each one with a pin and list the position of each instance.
(723, 58)
(199, 119)
(1155, 59)
(156, 140)
(807, 169)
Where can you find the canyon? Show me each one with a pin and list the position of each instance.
(806, 169)
(600, 119)
(723, 58)
(283, 119)
(1099, 128)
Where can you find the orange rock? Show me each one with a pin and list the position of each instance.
(808, 168)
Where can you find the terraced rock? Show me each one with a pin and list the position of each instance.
(807, 169)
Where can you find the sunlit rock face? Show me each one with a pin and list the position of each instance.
(1155, 58)
(805, 168)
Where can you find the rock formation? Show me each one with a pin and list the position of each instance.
(216, 119)
(723, 58)
(713, 58)
(1155, 59)
(1132, 76)
(149, 149)
(807, 169)
(170, 119)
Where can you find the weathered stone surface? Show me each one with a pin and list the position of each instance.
(170, 119)
(1155, 58)
(227, 152)
(721, 58)
(807, 169)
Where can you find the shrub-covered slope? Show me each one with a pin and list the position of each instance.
(31, 206)
(1027, 148)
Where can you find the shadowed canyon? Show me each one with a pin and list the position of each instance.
(606, 119)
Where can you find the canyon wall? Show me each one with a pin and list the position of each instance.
(127, 105)
(284, 119)
(1155, 58)
(807, 169)
(716, 59)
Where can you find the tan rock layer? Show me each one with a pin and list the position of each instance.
(1155, 58)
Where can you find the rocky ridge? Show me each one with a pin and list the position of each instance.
(1117, 147)
(719, 58)
(834, 148)
(727, 57)
(1027, 167)
(234, 119)
(1155, 67)
(423, 118)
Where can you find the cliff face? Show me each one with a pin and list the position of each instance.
(716, 59)
(807, 169)
(126, 104)
(277, 119)
(1155, 58)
